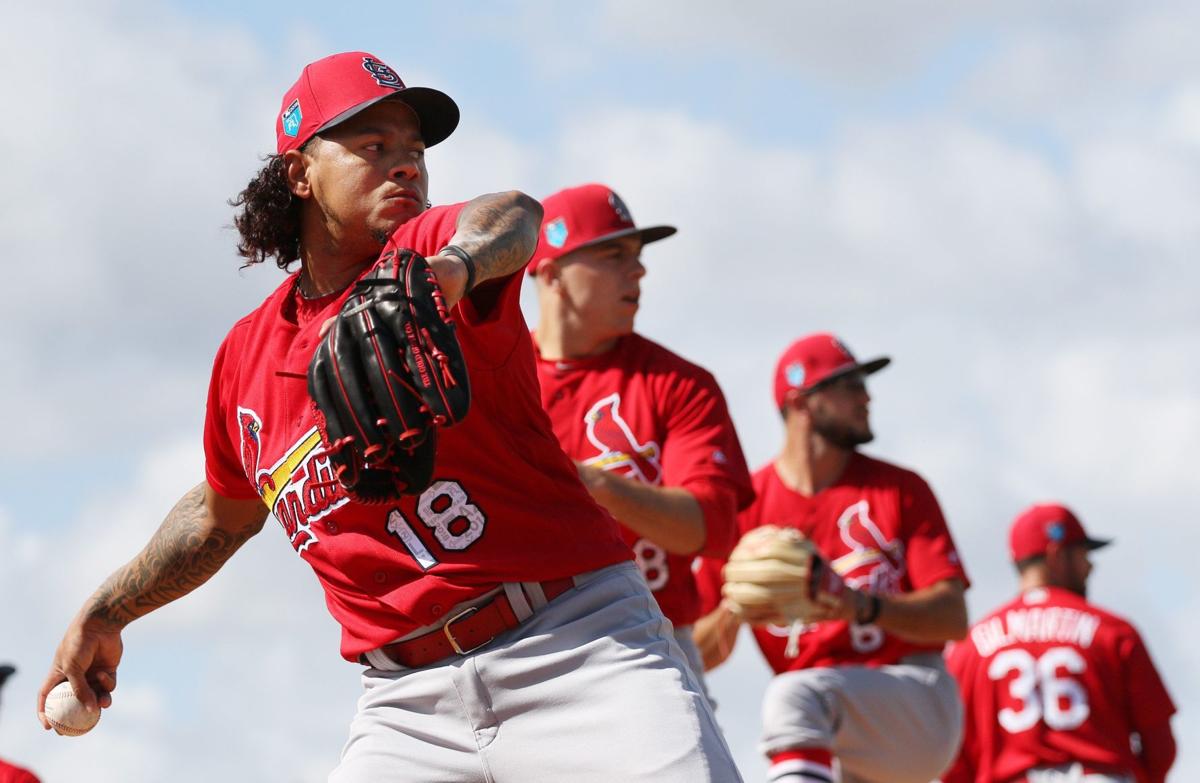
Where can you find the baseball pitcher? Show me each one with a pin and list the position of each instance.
(383, 405)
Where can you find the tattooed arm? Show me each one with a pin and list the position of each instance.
(198, 536)
(499, 231)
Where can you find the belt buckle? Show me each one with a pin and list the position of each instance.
(464, 614)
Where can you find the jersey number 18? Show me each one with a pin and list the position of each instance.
(445, 509)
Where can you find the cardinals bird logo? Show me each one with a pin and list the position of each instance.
(619, 449)
(249, 427)
(870, 549)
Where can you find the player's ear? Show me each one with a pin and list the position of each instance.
(548, 272)
(1056, 558)
(295, 170)
(795, 403)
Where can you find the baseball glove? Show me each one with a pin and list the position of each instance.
(775, 575)
(387, 374)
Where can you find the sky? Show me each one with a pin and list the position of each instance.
(1001, 196)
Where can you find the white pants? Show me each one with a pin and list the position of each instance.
(891, 724)
(1072, 773)
(592, 687)
(691, 653)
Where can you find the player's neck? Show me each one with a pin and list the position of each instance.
(1038, 578)
(809, 464)
(1032, 579)
(328, 263)
(557, 342)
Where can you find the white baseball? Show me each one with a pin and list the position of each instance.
(67, 714)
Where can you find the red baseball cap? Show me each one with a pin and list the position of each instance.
(1037, 526)
(815, 359)
(584, 216)
(334, 89)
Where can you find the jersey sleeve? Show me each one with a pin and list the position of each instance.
(222, 458)
(707, 572)
(701, 454)
(430, 231)
(1151, 705)
(493, 310)
(958, 664)
(931, 553)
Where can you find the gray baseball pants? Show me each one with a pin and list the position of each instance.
(590, 687)
(1072, 773)
(890, 724)
(691, 653)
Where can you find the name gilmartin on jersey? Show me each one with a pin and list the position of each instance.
(1036, 624)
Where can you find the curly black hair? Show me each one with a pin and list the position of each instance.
(269, 221)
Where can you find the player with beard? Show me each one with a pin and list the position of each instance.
(1055, 687)
(861, 693)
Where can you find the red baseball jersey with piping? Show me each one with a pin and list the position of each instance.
(880, 527)
(1050, 679)
(506, 504)
(648, 414)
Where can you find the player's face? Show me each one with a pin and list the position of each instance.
(602, 286)
(840, 411)
(1079, 568)
(368, 175)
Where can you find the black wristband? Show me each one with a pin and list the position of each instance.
(874, 607)
(465, 257)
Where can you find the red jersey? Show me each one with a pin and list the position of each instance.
(1050, 679)
(506, 504)
(880, 528)
(10, 773)
(650, 415)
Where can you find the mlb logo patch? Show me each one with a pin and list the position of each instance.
(292, 119)
(795, 375)
(556, 232)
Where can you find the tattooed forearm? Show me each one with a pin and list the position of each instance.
(183, 553)
(500, 231)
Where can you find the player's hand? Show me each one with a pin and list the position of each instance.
(591, 477)
(715, 634)
(601, 484)
(87, 657)
(451, 274)
(840, 607)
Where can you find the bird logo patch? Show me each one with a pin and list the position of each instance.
(619, 447)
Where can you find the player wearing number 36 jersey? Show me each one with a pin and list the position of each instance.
(1055, 688)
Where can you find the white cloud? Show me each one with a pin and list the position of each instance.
(131, 138)
(1039, 305)
(247, 661)
(1072, 66)
(855, 44)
